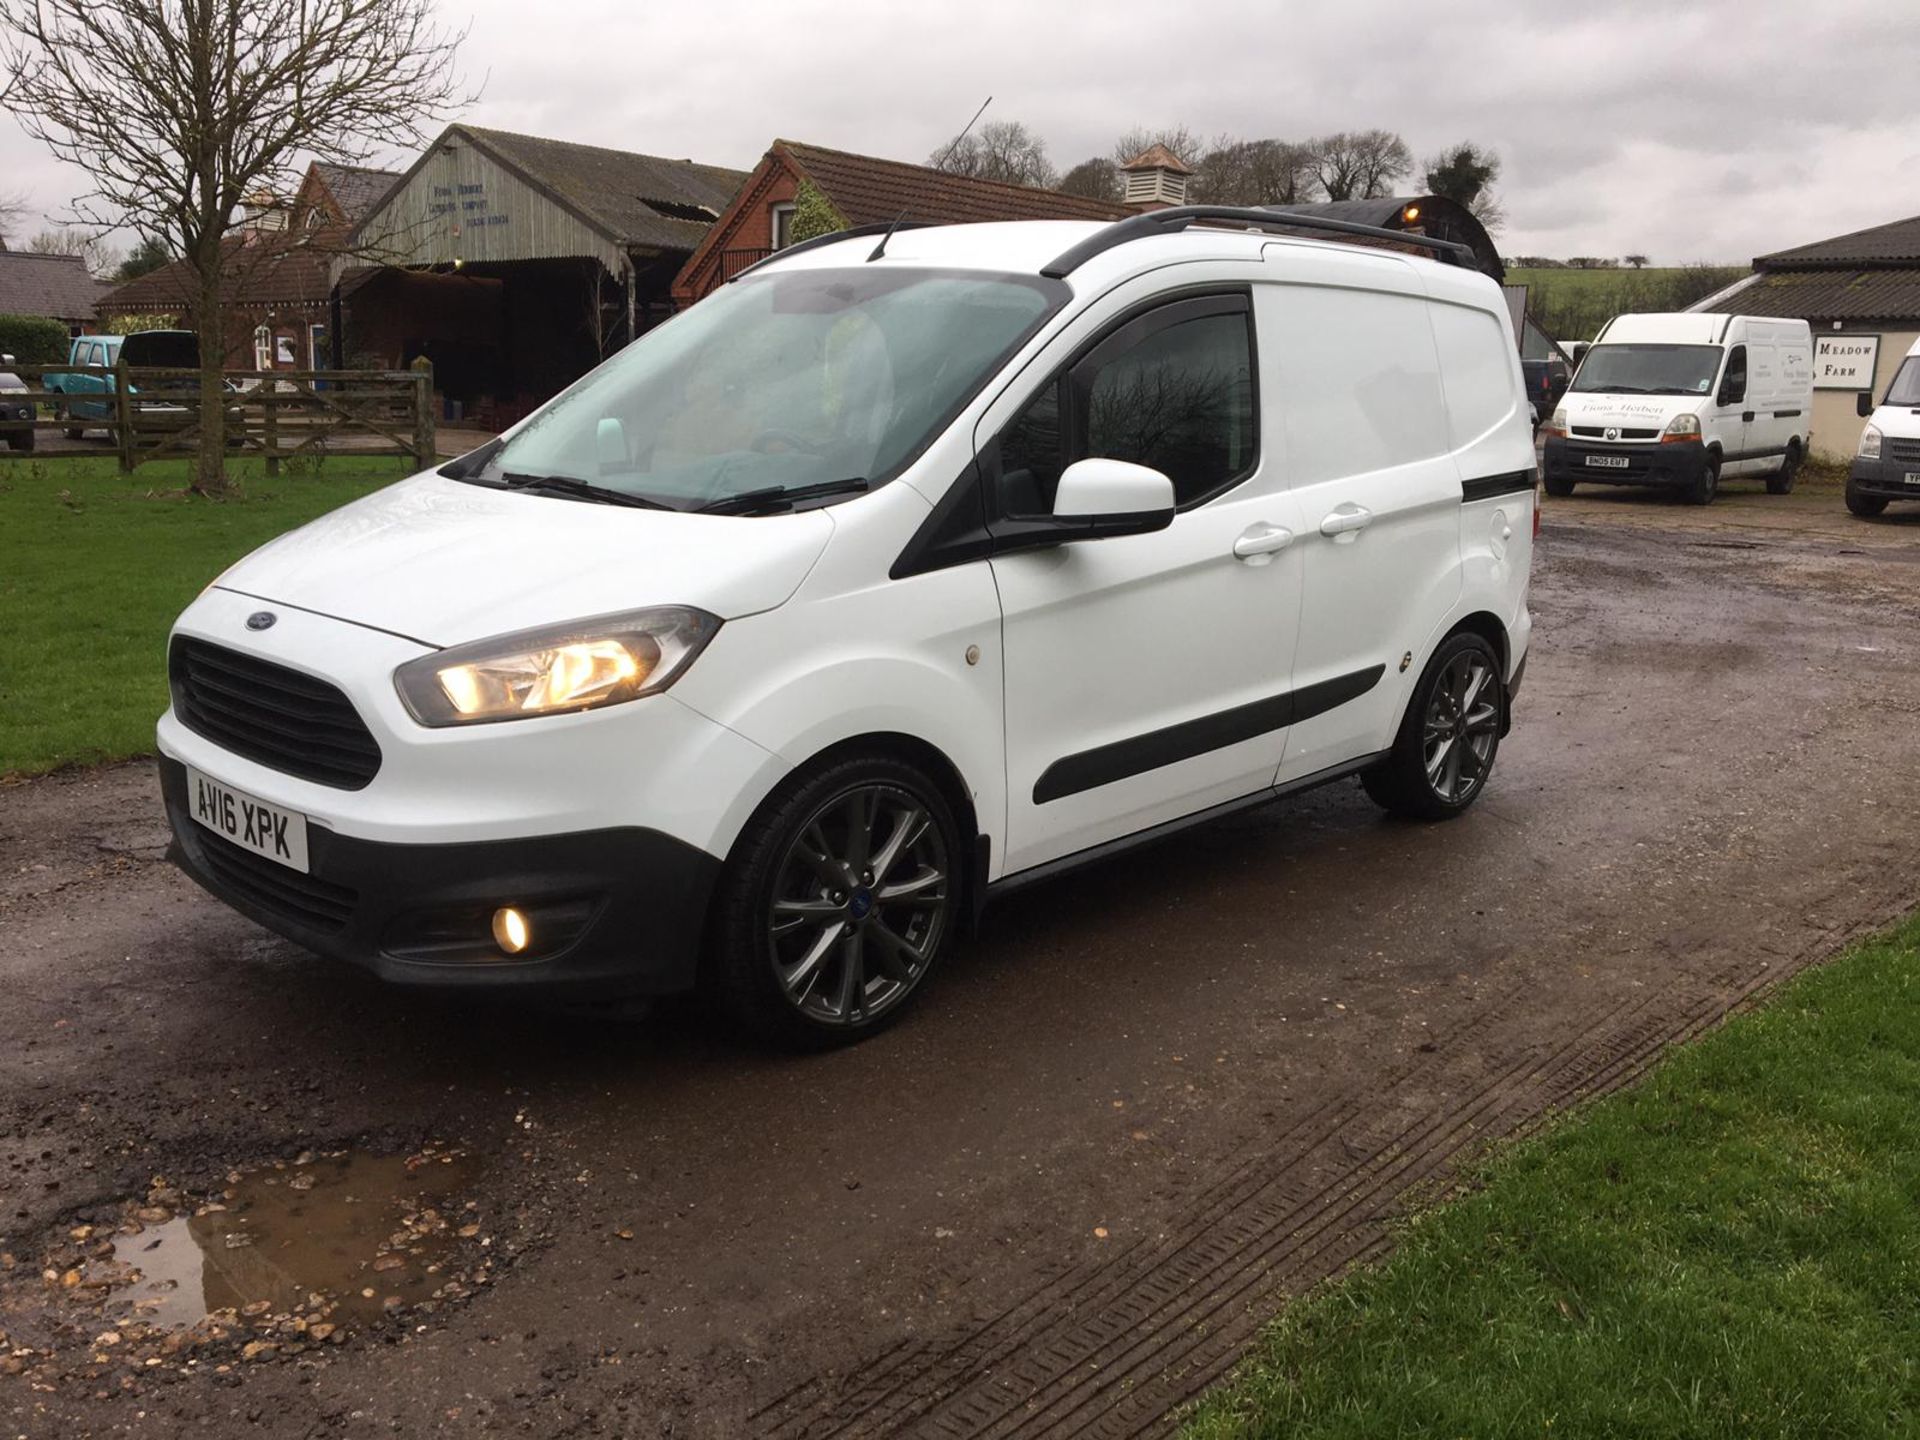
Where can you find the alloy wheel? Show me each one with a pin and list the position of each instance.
(1462, 727)
(860, 904)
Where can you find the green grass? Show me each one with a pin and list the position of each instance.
(94, 566)
(1574, 304)
(1731, 1248)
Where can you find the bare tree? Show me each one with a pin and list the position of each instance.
(180, 109)
(1003, 150)
(13, 210)
(1186, 146)
(1254, 172)
(1360, 164)
(1097, 179)
(100, 258)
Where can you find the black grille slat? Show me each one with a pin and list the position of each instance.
(1905, 450)
(292, 722)
(1598, 432)
(315, 904)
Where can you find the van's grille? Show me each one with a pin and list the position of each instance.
(1597, 432)
(266, 712)
(1907, 450)
(302, 900)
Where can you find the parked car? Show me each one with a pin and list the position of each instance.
(16, 415)
(1546, 382)
(863, 592)
(1887, 465)
(1683, 401)
(89, 395)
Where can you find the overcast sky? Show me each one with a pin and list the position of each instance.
(1680, 129)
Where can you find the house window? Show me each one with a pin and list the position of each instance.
(262, 348)
(782, 226)
(318, 351)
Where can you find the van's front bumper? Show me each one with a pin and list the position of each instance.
(614, 911)
(1647, 463)
(1884, 479)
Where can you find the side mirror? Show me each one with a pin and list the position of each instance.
(1113, 497)
(1863, 404)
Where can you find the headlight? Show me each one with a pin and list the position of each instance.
(1870, 443)
(556, 668)
(1682, 427)
(1558, 424)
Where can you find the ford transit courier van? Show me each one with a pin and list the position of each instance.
(1683, 402)
(900, 571)
(1887, 465)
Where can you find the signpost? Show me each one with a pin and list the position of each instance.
(1844, 362)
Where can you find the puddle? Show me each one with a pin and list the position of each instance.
(350, 1236)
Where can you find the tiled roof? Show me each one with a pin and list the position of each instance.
(56, 286)
(869, 191)
(355, 188)
(1835, 294)
(1158, 157)
(634, 199)
(278, 267)
(1897, 243)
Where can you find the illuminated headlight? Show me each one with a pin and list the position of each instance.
(1682, 427)
(557, 668)
(1870, 443)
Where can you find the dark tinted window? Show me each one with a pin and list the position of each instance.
(1905, 389)
(1734, 384)
(1032, 455)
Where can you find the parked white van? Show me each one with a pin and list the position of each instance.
(1685, 401)
(890, 576)
(1887, 466)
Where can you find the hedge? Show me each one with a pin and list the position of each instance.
(33, 339)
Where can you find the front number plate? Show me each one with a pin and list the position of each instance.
(1607, 462)
(252, 824)
(1912, 477)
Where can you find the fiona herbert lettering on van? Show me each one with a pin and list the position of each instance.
(901, 571)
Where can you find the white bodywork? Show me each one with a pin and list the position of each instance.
(1384, 385)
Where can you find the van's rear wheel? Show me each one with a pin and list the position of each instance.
(1781, 481)
(837, 902)
(1449, 737)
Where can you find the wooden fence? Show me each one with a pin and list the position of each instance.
(154, 414)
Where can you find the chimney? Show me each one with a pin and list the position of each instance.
(1156, 180)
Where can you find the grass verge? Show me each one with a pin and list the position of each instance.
(95, 565)
(1730, 1248)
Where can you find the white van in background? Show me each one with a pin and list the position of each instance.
(1887, 466)
(1684, 401)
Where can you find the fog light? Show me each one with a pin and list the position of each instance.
(510, 930)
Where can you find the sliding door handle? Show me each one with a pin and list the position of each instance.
(1346, 522)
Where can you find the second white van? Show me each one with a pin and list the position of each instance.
(1683, 401)
(1887, 464)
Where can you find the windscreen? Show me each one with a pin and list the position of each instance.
(1905, 389)
(794, 379)
(1648, 370)
(162, 349)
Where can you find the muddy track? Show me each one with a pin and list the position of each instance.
(1148, 1105)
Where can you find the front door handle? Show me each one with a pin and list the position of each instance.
(1258, 544)
(1346, 522)
(1746, 417)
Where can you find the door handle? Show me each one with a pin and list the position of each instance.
(1746, 417)
(1258, 544)
(1345, 523)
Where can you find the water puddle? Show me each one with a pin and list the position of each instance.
(346, 1237)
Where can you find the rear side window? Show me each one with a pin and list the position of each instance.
(1476, 354)
(1173, 389)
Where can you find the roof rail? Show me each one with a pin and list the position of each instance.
(854, 233)
(1163, 222)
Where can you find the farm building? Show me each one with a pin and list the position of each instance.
(52, 287)
(1861, 294)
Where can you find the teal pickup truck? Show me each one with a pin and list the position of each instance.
(88, 395)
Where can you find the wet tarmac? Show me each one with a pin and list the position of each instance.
(1149, 1103)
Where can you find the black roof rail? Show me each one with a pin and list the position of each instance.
(1165, 222)
(879, 227)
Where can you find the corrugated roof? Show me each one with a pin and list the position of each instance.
(55, 286)
(870, 191)
(1896, 243)
(1836, 294)
(611, 189)
(356, 188)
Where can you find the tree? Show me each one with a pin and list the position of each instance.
(146, 257)
(13, 209)
(1097, 179)
(1003, 150)
(100, 258)
(1465, 173)
(179, 109)
(1253, 172)
(1186, 146)
(1360, 164)
(1638, 262)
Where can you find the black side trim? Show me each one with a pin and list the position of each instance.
(1785, 414)
(1008, 883)
(1755, 454)
(1090, 769)
(1516, 482)
(955, 533)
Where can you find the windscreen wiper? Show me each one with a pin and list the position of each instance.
(778, 497)
(577, 490)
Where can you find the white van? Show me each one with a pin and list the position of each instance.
(1887, 466)
(888, 577)
(1685, 401)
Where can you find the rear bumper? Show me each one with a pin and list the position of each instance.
(1674, 466)
(615, 911)
(1884, 479)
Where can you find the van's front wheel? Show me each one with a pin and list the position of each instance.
(1707, 483)
(837, 902)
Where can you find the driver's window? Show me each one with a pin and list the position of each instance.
(1733, 388)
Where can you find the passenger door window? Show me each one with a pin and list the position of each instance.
(1733, 386)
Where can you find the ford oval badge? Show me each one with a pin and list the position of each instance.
(261, 620)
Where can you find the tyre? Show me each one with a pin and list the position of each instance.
(1449, 736)
(1866, 506)
(1558, 485)
(1707, 484)
(72, 432)
(837, 902)
(1781, 481)
(23, 441)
